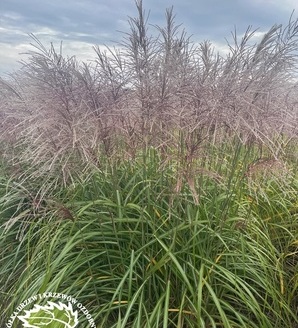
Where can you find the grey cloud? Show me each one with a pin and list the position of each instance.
(98, 21)
(68, 17)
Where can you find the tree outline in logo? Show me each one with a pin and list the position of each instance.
(52, 315)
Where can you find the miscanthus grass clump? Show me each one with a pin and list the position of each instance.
(220, 252)
(157, 186)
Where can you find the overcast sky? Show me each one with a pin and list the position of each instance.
(80, 24)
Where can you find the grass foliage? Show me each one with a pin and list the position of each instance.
(157, 186)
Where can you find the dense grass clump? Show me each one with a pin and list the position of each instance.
(158, 186)
(138, 253)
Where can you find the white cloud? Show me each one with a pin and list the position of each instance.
(8, 32)
(82, 50)
(221, 48)
(43, 31)
(11, 55)
(12, 15)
